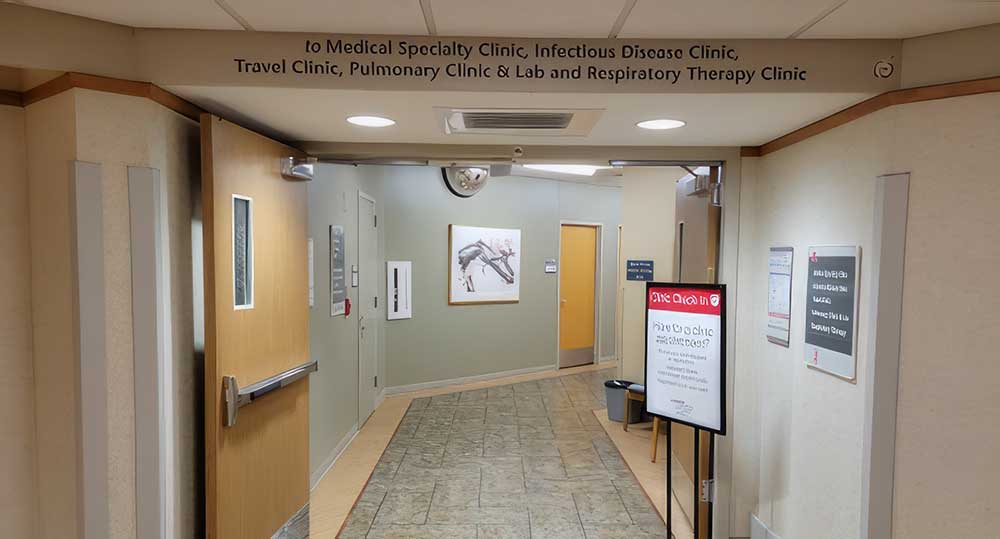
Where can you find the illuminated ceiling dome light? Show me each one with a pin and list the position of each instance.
(371, 121)
(579, 170)
(660, 124)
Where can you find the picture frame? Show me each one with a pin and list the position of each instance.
(484, 265)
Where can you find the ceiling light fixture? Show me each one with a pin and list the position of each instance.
(579, 170)
(371, 121)
(661, 124)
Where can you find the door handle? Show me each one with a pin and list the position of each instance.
(562, 300)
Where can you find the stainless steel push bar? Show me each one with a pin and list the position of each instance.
(237, 397)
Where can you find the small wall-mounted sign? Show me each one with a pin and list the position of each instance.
(639, 270)
(550, 265)
(832, 309)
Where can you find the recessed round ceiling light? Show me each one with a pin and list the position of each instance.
(661, 123)
(371, 121)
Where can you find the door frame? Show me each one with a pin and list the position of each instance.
(365, 196)
(726, 271)
(598, 284)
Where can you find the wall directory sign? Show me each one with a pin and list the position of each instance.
(685, 373)
(338, 283)
(831, 309)
(639, 270)
(779, 295)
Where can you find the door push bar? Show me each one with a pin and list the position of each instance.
(237, 397)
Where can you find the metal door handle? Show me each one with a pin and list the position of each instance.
(562, 300)
(237, 397)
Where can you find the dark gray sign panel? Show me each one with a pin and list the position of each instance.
(831, 309)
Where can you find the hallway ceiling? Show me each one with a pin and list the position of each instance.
(712, 119)
(553, 18)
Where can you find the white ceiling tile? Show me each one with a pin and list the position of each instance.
(526, 18)
(904, 18)
(723, 19)
(202, 14)
(334, 16)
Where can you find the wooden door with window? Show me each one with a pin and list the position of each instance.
(256, 326)
(698, 226)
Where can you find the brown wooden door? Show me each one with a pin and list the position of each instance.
(256, 326)
(577, 284)
(696, 260)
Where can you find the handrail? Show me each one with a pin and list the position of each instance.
(237, 397)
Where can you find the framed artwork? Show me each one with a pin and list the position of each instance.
(484, 265)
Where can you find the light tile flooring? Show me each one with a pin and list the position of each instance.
(527, 459)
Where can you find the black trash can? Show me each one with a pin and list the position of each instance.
(614, 390)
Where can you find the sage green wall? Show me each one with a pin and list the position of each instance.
(443, 342)
(333, 341)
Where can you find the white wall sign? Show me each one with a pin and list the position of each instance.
(397, 289)
(832, 309)
(685, 357)
(779, 295)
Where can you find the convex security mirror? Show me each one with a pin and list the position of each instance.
(465, 181)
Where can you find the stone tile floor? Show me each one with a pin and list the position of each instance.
(527, 460)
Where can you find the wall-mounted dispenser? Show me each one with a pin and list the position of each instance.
(399, 305)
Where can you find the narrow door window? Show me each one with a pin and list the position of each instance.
(242, 252)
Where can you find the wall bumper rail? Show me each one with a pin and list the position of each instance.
(237, 397)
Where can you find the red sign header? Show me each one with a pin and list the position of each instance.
(685, 300)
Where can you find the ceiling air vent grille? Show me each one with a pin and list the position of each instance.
(522, 122)
(517, 120)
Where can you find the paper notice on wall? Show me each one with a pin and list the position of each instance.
(685, 369)
(338, 277)
(779, 295)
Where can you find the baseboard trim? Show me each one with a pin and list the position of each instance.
(396, 390)
(320, 473)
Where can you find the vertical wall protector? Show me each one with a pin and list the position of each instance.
(397, 290)
(151, 352)
(881, 373)
(92, 388)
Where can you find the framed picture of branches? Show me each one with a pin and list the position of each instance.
(484, 265)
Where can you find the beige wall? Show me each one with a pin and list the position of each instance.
(114, 131)
(947, 430)
(951, 56)
(809, 424)
(648, 204)
(18, 495)
(117, 131)
(802, 428)
(50, 126)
